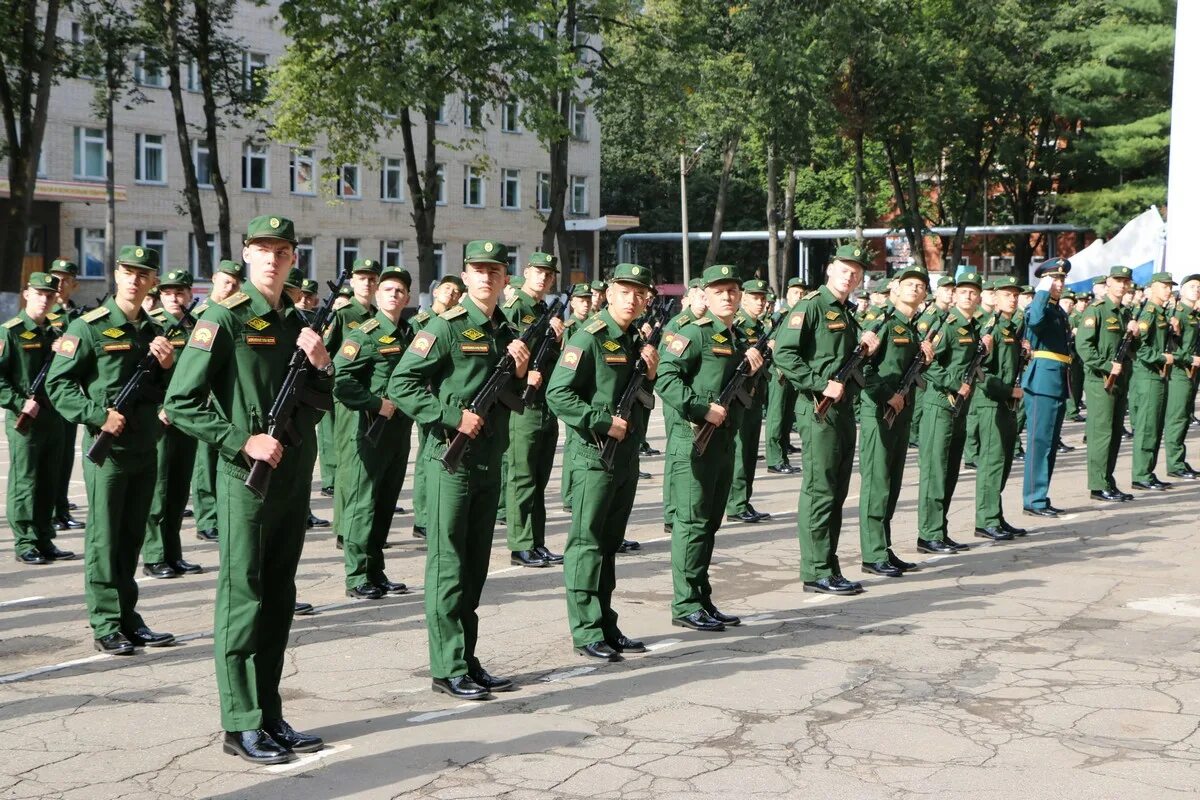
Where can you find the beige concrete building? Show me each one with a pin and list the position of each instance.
(370, 216)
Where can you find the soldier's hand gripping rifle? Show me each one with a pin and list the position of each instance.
(974, 369)
(497, 390)
(635, 390)
(1110, 380)
(737, 390)
(37, 389)
(1022, 363)
(914, 370)
(281, 419)
(135, 387)
(542, 356)
(375, 429)
(849, 368)
(1171, 340)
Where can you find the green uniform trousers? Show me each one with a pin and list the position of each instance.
(997, 431)
(327, 454)
(745, 460)
(204, 488)
(1104, 427)
(914, 427)
(1177, 418)
(119, 497)
(533, 439)
(462, 514)
(828, 459)
(176, 459)
(66, 465)
(881, 456)
(567, 484)
(373, 475)
(971, 444)
(1076, 385)
(33, 476)
(1150, 397)
(942, 440)
(669, 415)
(604, 503)
(781, 417)
(699, 489)
(419, 504)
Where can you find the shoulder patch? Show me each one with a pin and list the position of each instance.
(349, 350)
(678, 345)
(1089, 322)
(12, 323)
(235, 300)
(67, 345)
(796, 320)
(50, 315)
(453, 313)
(204, 334)
(570, 357)
(422, 343)
(95, 314)
(595, 326)
(683, 319)
(703, 321)
(368, 326)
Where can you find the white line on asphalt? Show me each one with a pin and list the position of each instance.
(1176, 605)
(446, 712)
(568, 673)
(758, 618)
(817, 599)
(19, 601)
(663, 644)
(308, 759)
(31, 673)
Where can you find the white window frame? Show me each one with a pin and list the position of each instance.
(440, 116)
(579, 182)
(142, 163)
(391, 252)
(252, 152)
(306, 257)
(252, 63)
(543, 192)
(349, 249)
(192, 76)
(200, 146)
(510, 179)
(579, 130)
(89, 247)
(154, 240)
(299, 156)
(349, 175)
(391, 168)
(510, 116)
(439, 259)
(195, 260)
(442, 199)
(514, 260)
(155, 77)
(84, 138)
(472, 113)
(473, 176)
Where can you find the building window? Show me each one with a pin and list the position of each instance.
(151, 165)
(348, 187)
(510, 188)
(193, 76)
(89, 153)
(254, 168)
(347, 252)
(510, 116)
(439, 115)
(472, 113)
(306, 258)
(154, 240)
(147, 73)
(303, 169)
(202, 261)
(254, 74)
(89, 242)
(578, 121)
(391, 180)
(441, 184)
(473, 188)
(579, 194)
(543, 192)
(439, 259)
(391, 253)
(202, 163)
(514, 260)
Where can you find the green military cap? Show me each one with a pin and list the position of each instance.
(176, 278)
(309, 286)
(295, 278)
(485, 251)
(631, 273)
(755, 286)
(581, 290)
(797, 281)
(1099, 279)
(269, 227)
(43, 281)
(346, 290)
(853, 253)
(969, 279)
(1067, 295)
(914, 271)
(1121, 272)
(696, 283)
(139, 257)
(1006, 282)
(233, 268)
(945, 280)
(366, 265)
(153, 291)
(1026, 289)
(457, 281)
(1195, 276)
(719, 273)
(881, 286)
(396, 274)
(516, 281)
(542, 260)
(1162, 277)
(64, 265)
(599, 286)
(1054, 267)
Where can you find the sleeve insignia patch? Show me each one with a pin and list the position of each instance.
(678, 345)
(570, 357)
(203, 335)
(474, 334)
(258, 323)
(113, 333)
(922, 326)
(350, 350)
(796, 320)
(611, 346)
(422, 343)
(1143, 326)
(67, 345)
(1090, 322)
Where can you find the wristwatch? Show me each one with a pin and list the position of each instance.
(326, 370)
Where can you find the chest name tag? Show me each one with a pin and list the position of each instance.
(31, 346)
(177, 343)
(901, 340)
(965, 340)
(616, 359)
(836, 326)
(723, 351)
(1009, 340)
(109, 348)
(260, 341)
(390, 350)
(475, 349)
(1113, 328)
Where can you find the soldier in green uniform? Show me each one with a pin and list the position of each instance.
(60, 315)
(819, 335)
(595, 367)
(943, 301)
(162, 552)
(1023, 301)
(598, 300)
(781, 402)
(371, 472)
(1101, 329)
(1148, 385)
(1074, 413)
(447, 363)
(942, 433)
(697, 362)
(1181, 385)
(581, 306)
(95, 359)
(883, 448)
(238, 356)
(750, 328)
(995, 403)
(532, 435)
(696, 306)
(226, 282)
(26, 344)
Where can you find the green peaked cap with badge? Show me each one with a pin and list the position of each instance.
(1121, 272)
(913, 271)
(581, 290)
(599, 286)
(718, 273)
(230, 268)
(969, 279)
(1162, 277)
(945, 280)
(346, 290)
(631, 273)
(176, 278)
(138, 257)
(43, 281)
(457, 281)
(853, 253)
(1099, 279)
(542, 261)
(271, 227)
(1195, 276)
(366, 265)
(485, 251)
(64, 265)
(755, 286)
(797, 281)
(881, 286)
(309, 286)
(1006, 282)
(295, 278)
(696, 283)
(396, 274)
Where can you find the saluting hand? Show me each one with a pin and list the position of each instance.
(755, 360)
(314, 347)
(162, 350)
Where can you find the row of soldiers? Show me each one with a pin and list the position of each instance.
(212, 385)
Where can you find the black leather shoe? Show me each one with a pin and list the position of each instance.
(400, 510)
(831, 585)
(1188, 475)
(52, 553)
(67, 522)
(207, 535)
(1040, 512)
(646, 450)
(1126, 496)
(159, 569)
(724, 619)
(993, 532)
(461, 687)
(316, 522)
(956, 545)
(302, 609)
(934, 546)
(365, 591)
(1157, 484)
(186, 567)
(257, 747)
(418, 532)
(115, 644)
(1019, 455)
(489, 681)
(969, 466)
(1078, 418)
(144, 637)
(391, 587)
(327, 491)
(899, 563)
(527, 558)
(842, 583)
(762, 515)
(698, 621)
(1126, 433)
(600, 651)
(793, 450)
(1013, 529)
(745, 516)
(1063, 447)
(623, 644)
(1108, 495)
(188, 513)
(629, 545)
(547, 556)
(885, 568)
(291, 739)
(32, 557)
(644, 476)
(782, 468)
(73, 507)
(339, 543)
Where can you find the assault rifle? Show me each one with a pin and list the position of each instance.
(737, 390)
(1022, 363)
(375, 429)
(635, 391)
(281, 424)
(496, 390)
(37, 389)
(538, 363)
(849, 368)
(1110, 380)
(974, 369)
(134, 388)
(912, 373)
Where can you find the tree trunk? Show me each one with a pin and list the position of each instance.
(556, 222)
(789, 228)
(903, 201)
(858, 187)
(773, 216)
(191, 189)
(204, 35)
(110, 187)
(718, 224)
(422, 187)
(917, 223)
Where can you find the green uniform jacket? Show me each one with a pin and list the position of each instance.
(899, 343)
(1149, 356)
(1101, 329)
(1188, 337)
(696, 364)
(751, 330)
(346, 319)
(364, 363)
(818, 336)
(24, 348)
(1000, 365)
(521, 312)
(96, 358)
(953, 350)
(420, 320)
(678, 321)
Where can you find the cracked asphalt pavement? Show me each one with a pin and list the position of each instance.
(1065, 664)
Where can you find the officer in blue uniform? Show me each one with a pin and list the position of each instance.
(1045, 384)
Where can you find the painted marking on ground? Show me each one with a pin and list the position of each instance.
(663, 644)
(33, 673)
(445, 712)
(308, 759)
(554, 677)
(1175, 605)
(20, 601)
